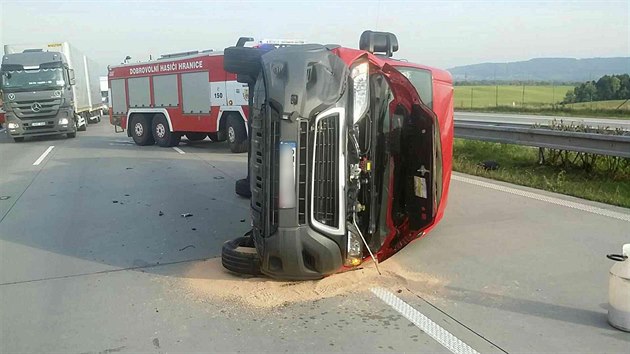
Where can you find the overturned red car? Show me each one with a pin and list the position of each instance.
(350, 155)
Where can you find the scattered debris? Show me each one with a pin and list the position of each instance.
(489, 165)
(129, 168)
(115, 201)
(194, 229)
(219, 177)
(189, 246)
(126, 195)
(156, 341)
(186, 215)
(242, 220)
(160, 213)
(5, 197)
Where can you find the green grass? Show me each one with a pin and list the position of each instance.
(519, 165)
(613, 104)
(508, 95)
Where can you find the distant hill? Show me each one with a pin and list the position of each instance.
(544, 69)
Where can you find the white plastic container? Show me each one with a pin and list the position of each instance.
(619, 290)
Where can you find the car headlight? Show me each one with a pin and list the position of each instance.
(13, 125)
(63, 121)
(361, 90)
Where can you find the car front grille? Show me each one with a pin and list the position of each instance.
(326, 172)
(302, 171)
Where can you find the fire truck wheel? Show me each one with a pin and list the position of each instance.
(162, 134)
(237, 135)
(141, 131)
(242, 60)
(217, 136)
(195, 136)
(239, 256)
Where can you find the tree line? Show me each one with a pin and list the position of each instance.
(608, 87)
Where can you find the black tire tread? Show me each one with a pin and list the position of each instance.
(237, 260)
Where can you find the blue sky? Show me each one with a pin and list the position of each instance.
(438, 33)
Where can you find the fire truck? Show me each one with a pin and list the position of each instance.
(183, 94)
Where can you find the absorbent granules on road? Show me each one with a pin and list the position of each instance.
(206, 280)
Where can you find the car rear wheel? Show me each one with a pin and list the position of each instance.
(237, 135)
(242, 60)
(141, 131)
(195, 136)
(239, 256)
(162, 134)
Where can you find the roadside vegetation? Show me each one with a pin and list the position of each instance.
(608, 96)
(598, 178)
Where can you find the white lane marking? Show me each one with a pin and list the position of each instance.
(442, 336)
(43, 156)
(178, 150)
(544, 198)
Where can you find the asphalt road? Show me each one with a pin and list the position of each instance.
(88, 264)
(543, 120)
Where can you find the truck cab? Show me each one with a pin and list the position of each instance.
(37, 93)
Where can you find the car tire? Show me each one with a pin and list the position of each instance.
(18, 139)
(140, 128)
(162, 134)
(242, 60)
(240, 256)
(237, 135)
(195, 136)
(71, 135)
(217, 137)
(242, 188)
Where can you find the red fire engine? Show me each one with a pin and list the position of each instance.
(179, 94)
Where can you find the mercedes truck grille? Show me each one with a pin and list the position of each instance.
(34, 109)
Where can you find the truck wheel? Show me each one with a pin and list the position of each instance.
(242, 188)
(141, 131)
(242, 60)
(239, 256)
(18, 139)
(71, 135)
(217, 136)
(237, 135)
(195, 136)
(83, 127)
(161, 133)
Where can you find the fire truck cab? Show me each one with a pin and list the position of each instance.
(183, 94)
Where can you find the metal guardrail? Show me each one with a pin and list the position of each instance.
(523, 134)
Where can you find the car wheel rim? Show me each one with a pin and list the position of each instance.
(160, 130)
(138, 129)
(231, 134)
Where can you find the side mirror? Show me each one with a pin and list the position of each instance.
(71, 76)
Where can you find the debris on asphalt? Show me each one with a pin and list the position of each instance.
(129, 168)
(489, 165)
(115, 201)
(242, 220)
(219, 177)
(186, 215)
(160, 213)
(156, 342)
(5, 197)
(208, 280)
(194, 229)
(126, 195)
(189, 246)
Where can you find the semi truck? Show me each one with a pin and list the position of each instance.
(48, 89)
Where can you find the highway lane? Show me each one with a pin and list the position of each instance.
(539, 119)
(87, 264)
